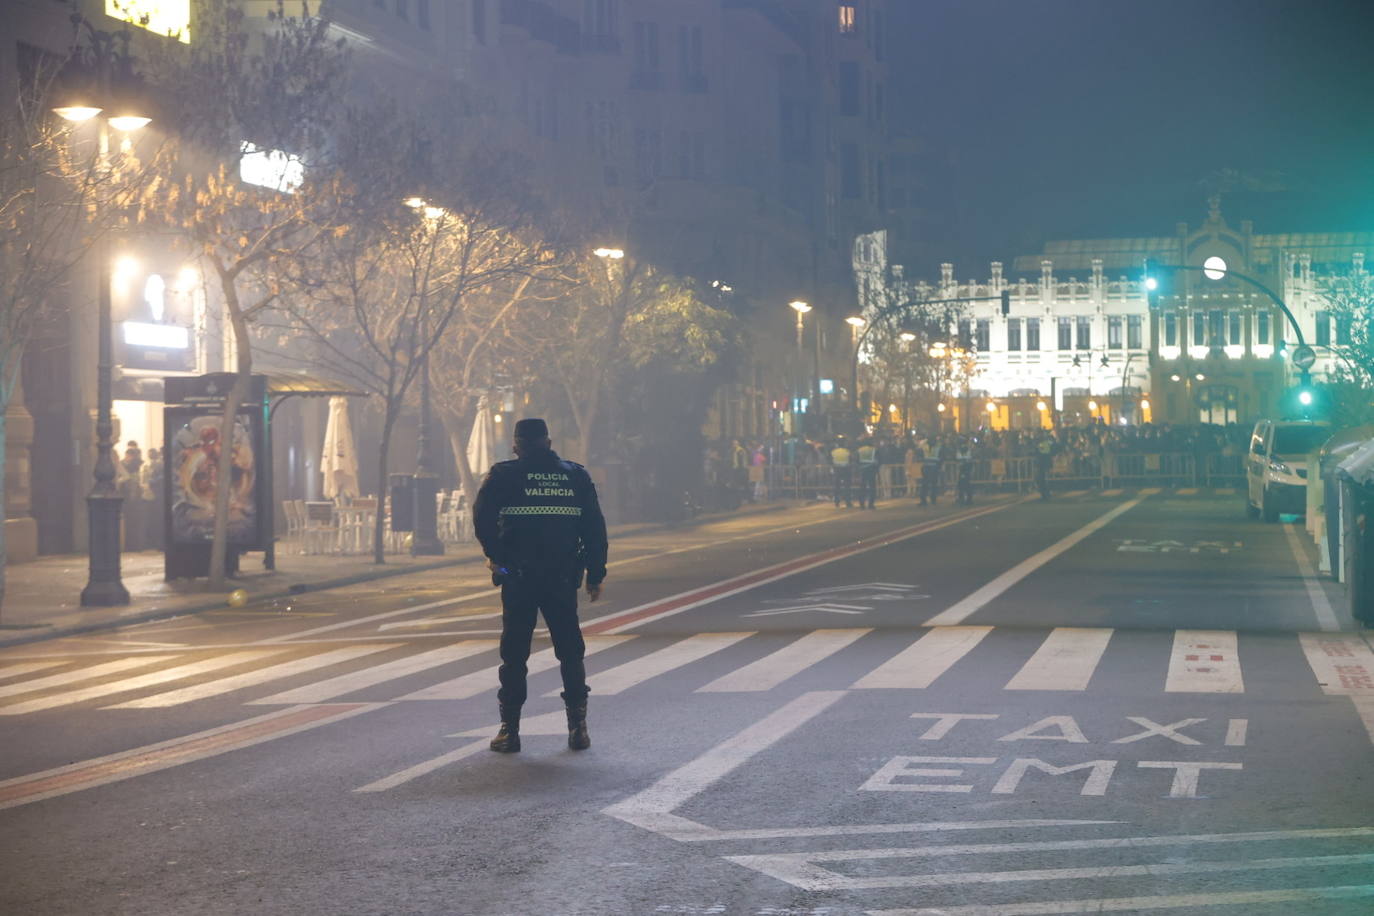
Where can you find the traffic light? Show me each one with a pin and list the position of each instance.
(1305, 401)
(1153, 280)
(1006, 302)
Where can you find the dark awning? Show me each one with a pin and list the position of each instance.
(287, 382)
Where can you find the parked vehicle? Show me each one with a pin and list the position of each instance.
(1276, 466)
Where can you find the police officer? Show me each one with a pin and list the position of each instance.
(541, 527)
(868, 475)
(844, 474)
(930, 471)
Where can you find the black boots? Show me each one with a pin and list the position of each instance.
(507, 740)
(578, 739)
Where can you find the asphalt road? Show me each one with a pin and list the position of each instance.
(1128, 701)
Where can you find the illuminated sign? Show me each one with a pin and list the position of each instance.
(270, 168)
(827, 386)
(162, 17)
(157, 336)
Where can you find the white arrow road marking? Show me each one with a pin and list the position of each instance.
(822, 608)
(867, 586)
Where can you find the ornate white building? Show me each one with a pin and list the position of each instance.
(1082, 338)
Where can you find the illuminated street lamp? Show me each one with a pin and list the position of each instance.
(104, 505)
(614, 254)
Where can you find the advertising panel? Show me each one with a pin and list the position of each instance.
(196, 457)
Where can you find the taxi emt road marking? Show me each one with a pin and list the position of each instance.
(100, 771)
(685, 601)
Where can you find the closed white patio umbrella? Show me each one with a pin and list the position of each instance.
(482, 443)
(339, 463)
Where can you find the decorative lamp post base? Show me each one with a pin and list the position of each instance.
(425, 539)
(104, 588)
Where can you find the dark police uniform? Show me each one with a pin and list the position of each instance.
(538, 518)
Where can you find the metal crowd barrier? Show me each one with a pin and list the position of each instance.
(1161, 469)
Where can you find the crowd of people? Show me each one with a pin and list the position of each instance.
(857, 463)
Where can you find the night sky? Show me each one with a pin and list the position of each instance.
(1105, 118)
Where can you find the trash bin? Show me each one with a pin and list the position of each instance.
(402, 502)
(1356, 478)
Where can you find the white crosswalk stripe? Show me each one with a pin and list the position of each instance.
(9, 671)
(252, 678)
(166, 675)
(1066, 660)
(680, 653)
(484, 681)
(378, 674)
(1204, 661)
(924, 660)
(771, 670)
(1062, 659)
(82, 674)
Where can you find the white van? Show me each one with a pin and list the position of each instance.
(1276, 467)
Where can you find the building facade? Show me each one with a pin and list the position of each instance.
(1082, 340)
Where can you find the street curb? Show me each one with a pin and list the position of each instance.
(44, 634)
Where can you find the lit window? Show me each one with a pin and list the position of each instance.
(161, 17)
(270, 168)
(849, 15)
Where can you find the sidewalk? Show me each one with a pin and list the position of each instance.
(43, 598)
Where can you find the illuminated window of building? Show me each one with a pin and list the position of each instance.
(1199, 329)
(1171, 330)
(1085, 333)
(1066, 333)
(1032, 333)
(1343, 329)
(1114, 333)
(162, 17)
(849, 16)
(1013, 333)
(1233, 332)
(984, 339)
(1262, 328)
(1323, 329)
(1133, 332)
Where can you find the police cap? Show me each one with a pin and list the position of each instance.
(532, 429)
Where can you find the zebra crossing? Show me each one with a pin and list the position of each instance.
(1063, 659)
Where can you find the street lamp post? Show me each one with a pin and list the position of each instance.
(104, 505)
(424, 539)
(803, 383)
(856, 327)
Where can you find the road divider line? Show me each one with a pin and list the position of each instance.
(918, 665)
(966, 608)
(1321, 605)
(706, 594)
(793, 658)
(800, 870)
(1066, 660)
(669, 658)
(1154, 902)
(652, 808)
(87, 774)
(421, 769)
(1204, 661)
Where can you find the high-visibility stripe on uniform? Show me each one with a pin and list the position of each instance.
(542, 510)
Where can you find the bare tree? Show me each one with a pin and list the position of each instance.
(435, 232)
(234, 89)
(1350, 300)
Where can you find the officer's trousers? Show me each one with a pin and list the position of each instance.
(523, 598)
(844, 485)
(868, 485)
